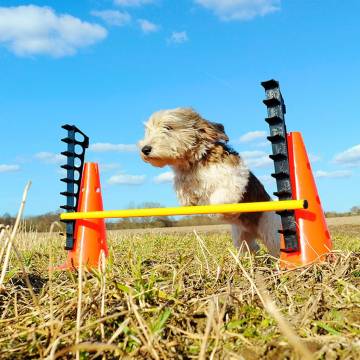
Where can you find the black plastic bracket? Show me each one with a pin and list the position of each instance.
(276, 110)
(75, 157)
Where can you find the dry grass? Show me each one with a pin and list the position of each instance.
(181, 296)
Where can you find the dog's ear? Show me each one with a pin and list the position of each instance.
(219, 127)
(212, 131)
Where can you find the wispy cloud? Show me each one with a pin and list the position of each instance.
(108, 167)
(35, 30)
(228, 10)
(314, 158)
(147, 26)
(107, 147)
(166, 177)
(262, 144)
(50, 158)
(132, 3)
(266, 179)
(256, 159)
(349, 157)
(126, 179)
(4, 168)
(333, 174)
(113, 17)
(178, 37)
(252, 136)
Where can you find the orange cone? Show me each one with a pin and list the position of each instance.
(313, 234)
(89, 234)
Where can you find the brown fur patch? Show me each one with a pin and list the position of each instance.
(221, 153)
(211, 132)
(156, 161)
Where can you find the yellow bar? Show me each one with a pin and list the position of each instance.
(190, 210)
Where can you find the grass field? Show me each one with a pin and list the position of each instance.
(180, 296)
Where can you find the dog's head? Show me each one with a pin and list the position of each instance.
(178, 136)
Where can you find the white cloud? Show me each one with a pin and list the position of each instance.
(256, 159)
(166, 177)
(50, 158)
(179, 37)
(8, 168)
(132, 2)
(147, 26)
(262, 144)
(350, 157)
(252, 154)
(240, 9)
(107, 147)
(126, 179)
(333, 174)
(252, 136)
(113, 17)
(34, 30)
(314, 158)
(266, 179)
(108, 167)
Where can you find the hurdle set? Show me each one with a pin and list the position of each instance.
(304, 234)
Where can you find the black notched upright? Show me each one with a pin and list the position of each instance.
(278, 137)
(75, 157)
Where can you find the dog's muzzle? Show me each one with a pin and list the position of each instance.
(146, 150)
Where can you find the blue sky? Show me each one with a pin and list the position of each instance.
(106, 65)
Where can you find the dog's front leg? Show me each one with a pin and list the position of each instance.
(239, 234)
(243, 240)
(236, 235)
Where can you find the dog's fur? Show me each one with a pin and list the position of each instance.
(208, 171)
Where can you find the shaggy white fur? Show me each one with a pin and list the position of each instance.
(207, 171)
(218, 183)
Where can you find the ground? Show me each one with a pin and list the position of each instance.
(181, 295)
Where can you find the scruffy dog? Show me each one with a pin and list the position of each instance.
(208, 171)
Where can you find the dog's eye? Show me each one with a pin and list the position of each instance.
(168, 127)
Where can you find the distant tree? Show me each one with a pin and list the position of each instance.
(154, 221)
(144, 222)
(7, 219)
(42, 223)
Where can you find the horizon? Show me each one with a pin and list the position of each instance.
(105, 66)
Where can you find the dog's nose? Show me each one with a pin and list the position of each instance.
(146, 150)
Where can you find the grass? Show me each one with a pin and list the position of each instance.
(180, 296)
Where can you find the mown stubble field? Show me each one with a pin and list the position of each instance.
(180, 296)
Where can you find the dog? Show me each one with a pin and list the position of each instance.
(208, 171)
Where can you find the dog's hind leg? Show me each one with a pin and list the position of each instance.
(241, 237)
(268, 227)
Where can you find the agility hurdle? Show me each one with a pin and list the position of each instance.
(285, 205)
(304, 236)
